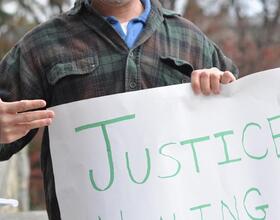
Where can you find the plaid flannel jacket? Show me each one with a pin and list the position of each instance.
(78, 55)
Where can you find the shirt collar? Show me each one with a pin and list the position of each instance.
(143, 17)
(91, 18)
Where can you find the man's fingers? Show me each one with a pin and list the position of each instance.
(32, 116)
(35, 124)
(195, 81)
(21, 106)
(215, 83)
(205, 83)
(16, 120)
(227, 77)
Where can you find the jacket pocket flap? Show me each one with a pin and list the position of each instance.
(76, 67)
(178, 64)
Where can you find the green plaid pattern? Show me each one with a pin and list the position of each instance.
(79, 55)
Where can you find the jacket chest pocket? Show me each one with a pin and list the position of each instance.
(74, 80)
(74, 68)
(164, 71)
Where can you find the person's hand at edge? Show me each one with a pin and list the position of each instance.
(18, 118)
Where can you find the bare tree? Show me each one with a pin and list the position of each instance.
(251, 37)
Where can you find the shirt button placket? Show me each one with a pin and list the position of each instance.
(131, 73)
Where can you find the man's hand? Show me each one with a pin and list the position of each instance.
(15, 122)
(207, 81)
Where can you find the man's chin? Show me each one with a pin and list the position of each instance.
(115, 2)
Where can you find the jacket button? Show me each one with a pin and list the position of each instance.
(185, 80)
(132, 85)
(131, 54)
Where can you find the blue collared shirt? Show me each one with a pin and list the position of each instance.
(134, 27)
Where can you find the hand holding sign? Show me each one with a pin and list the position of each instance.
(209, 81)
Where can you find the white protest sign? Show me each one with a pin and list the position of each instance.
(167, 154)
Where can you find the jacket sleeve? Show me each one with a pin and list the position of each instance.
(218, 59)
(18, 81)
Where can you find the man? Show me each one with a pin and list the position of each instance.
(100, 47)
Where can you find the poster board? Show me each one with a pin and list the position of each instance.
(167, 154)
